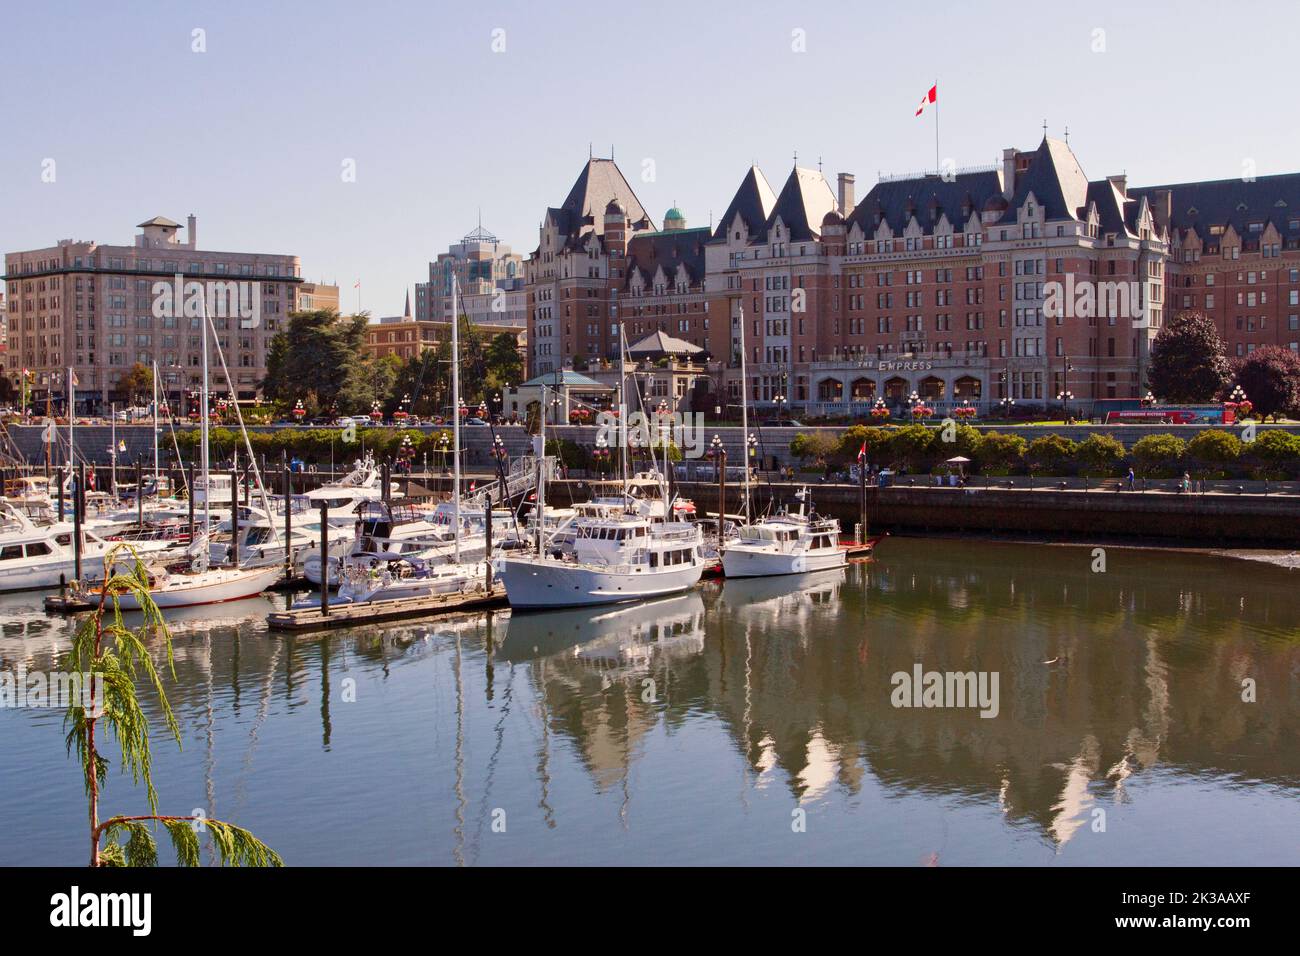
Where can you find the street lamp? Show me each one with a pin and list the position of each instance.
(1005, 404)
(752, 443)
(1148, 399)
(718, 455)
(444, 444)
(1065, 397)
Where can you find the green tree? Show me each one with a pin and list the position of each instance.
(1051, 455)
(817, 444)
(1158, 456)
(1213, 451)
(368, 381)
(136, 383)
(112, 656)
(1000, 453)
(1100, 455)
(1277, 451)
(1270, 377)
(910, 446)
(1187, 360)
(876, 440)
(315, 357)
(951, 441)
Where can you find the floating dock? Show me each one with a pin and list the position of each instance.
(66, 604)
(370, 612)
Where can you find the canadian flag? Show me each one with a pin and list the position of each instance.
(862, 453)
(928, 98)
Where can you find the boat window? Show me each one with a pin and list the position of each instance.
(37, 548)
(10, 552)
(64, 539)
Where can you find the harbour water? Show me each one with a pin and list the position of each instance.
(746, 722)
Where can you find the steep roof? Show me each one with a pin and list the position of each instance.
(1057, 181)
(567, 378)
(600, 183)
(897, 200)
(754, 201)
(804, 201)
(671, 248)
(159, 221)
(1235, 202)
(1110, 206)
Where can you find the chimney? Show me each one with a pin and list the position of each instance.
(1008, 173)
(1163, 204)
(191, 232)
(1120, 182)
(846, 193)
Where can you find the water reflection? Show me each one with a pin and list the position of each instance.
(706, 712)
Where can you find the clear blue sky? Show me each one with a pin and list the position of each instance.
(251, 134)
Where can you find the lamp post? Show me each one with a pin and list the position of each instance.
(1005, 404)
(444, 444)
(718, 454)
(1065, 398)
(752, 444)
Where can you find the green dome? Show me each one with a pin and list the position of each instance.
(674, 213)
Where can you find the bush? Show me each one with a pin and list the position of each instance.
(877, 440)
(816, 444)
(1159, 456)
(1100, 455)
(1277, 452)
(1211, 453)
(965, 441)
(998, 453)
(1051, 455)
(909, 446)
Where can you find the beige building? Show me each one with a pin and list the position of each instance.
(490, 280)
(102, 308)
(314, 296)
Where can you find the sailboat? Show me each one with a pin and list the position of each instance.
(615, 558)
(192, 581)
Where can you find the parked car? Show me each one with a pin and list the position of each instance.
(475, 421)
(783, 423)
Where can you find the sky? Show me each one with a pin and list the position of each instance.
(446, 109)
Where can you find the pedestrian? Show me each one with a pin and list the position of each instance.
(1187, 482)
(1130, 479)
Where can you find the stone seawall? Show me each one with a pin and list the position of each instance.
(1201, 520)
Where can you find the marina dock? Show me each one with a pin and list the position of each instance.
(352, 615)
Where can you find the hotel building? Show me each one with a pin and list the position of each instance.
(1023, 280)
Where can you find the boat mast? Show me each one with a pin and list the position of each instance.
(157, 483)
(72, 417)
(540, 514)
(455, 410)
(203, 440)
(744, 415)
(622, 412)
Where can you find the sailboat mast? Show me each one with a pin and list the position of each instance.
(157, 484)
(203, 429)
(744, 412)
(622, 412)
(455, 408)
(72, 417)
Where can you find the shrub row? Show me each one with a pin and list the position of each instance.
(1273, 454)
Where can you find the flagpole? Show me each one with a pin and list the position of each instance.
(936, 125)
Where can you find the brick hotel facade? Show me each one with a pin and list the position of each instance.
(928, 284)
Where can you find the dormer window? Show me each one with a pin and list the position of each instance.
(1029, 209)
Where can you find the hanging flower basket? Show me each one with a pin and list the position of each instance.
(964, 411)
(880, 413)
(922, 411)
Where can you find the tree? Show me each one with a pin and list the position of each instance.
(999, 453)
(1158, 456)
(136, 383)
(910, 446)
(1214, 448)
(368, 381)
(1100, 454)
(1051, 454)
(1270, 377)
(1277, 450)
(110, 655)
(315, 357)
(1187, 360)
(813, 445)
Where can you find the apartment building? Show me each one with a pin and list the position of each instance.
(99, 309)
